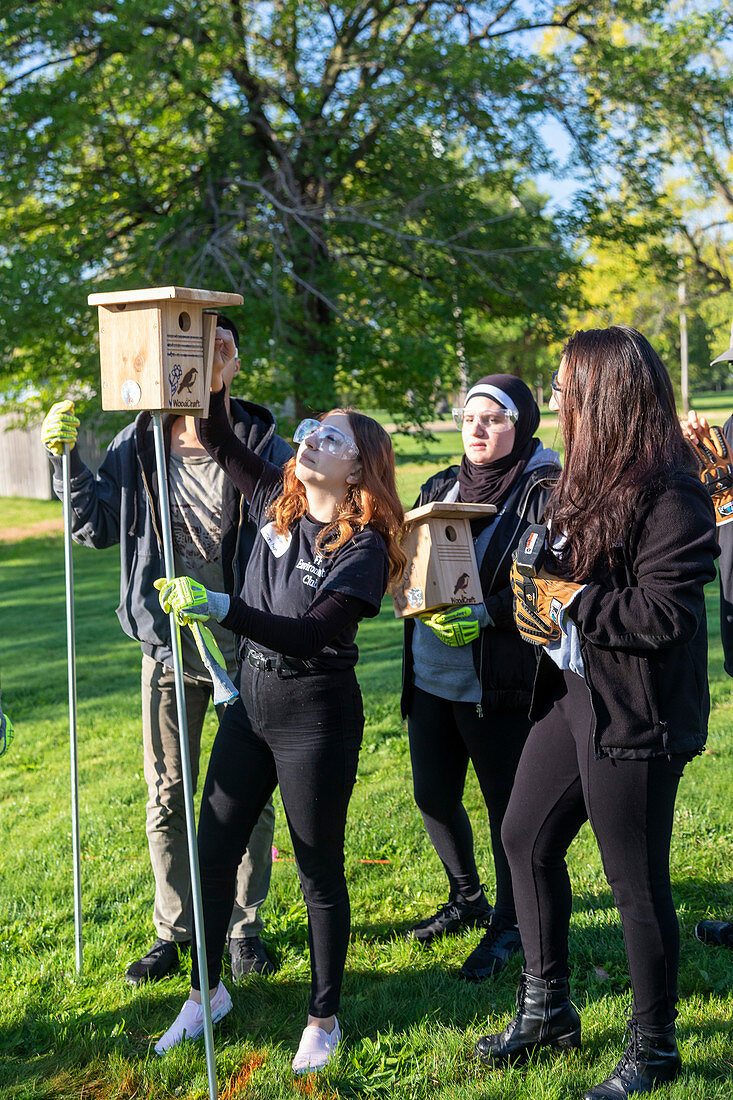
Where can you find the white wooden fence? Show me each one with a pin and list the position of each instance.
(24, 468)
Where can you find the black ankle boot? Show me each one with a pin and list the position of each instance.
(545, 1017)
(650, 1059)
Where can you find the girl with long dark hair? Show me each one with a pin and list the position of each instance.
(621, 699)
(326, 547)
(467, 673)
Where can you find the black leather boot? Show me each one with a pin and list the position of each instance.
(545, 1017)
(650, 1059)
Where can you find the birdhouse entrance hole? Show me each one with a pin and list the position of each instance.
(450, 533)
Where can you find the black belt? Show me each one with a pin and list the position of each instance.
(264, 663)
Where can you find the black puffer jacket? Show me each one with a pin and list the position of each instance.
(643, 630)
(505, 665)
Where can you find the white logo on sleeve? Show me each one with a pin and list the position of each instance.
(278, 543)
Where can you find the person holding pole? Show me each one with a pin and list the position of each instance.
(715, 454)
(327, 544)
(620, 701)
(467, 674)
(212, 538)
(714, 447)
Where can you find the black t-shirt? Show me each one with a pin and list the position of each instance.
(286, 572)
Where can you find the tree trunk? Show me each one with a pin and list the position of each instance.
(313, 337)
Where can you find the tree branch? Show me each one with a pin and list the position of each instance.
(47, 65)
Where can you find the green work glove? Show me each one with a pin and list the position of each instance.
(458, 625)
(6, 732)
(60, 427)
(190, 601)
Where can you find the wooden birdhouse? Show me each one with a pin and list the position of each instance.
(441, 564)
(156, 347)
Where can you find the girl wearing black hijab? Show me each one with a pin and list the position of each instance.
(468, 675)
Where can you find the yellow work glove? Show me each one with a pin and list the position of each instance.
(60, 427)
(455, 626)
(6, 732)
(190, 601)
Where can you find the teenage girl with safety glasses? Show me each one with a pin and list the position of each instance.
(326, 549)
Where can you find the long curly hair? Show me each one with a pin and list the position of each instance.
(622, 437)
(372, 501)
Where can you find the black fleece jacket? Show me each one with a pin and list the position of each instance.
(643, 630)
(505, 665)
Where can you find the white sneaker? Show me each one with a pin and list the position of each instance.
(189, 1023)
(316, 1048)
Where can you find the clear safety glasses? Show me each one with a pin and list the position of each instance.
(495, 421)
(325, 437)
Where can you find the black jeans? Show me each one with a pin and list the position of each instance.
(302, 732)
(444, 736)
(630, 806)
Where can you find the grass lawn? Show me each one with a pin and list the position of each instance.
(409, 1025)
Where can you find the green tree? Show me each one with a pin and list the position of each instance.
(660, 88)
(359, 170)
(623, 283)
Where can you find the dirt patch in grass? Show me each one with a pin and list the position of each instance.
(237, 1084)
(32, 530)
(311, 1087)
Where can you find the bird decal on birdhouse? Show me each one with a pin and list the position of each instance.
(188, 380)
(461, 583)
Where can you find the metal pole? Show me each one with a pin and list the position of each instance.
(684, 373)
(71, 663)
(193, 859)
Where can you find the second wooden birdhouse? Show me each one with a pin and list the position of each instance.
(156, 347)
(441, 564)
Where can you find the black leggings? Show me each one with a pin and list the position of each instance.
(303, 733)
(444, 736)
(630, 806)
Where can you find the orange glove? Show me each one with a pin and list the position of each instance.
(539, 604)
(716, 471)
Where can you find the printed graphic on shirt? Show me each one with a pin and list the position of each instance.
(312, 571)
(277, 542)
(192, 537)
(196, 486)
(287, 584)
(196, 500)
